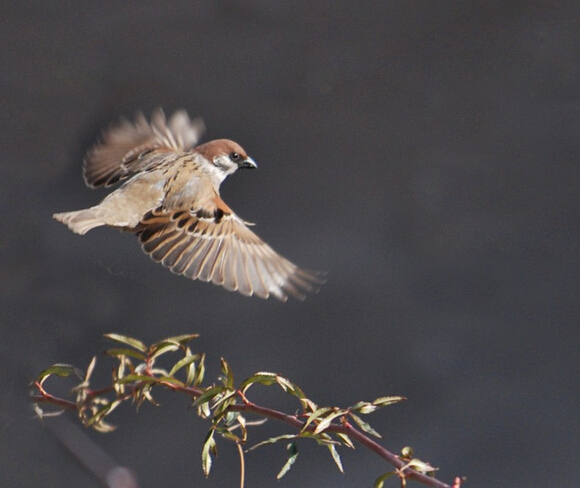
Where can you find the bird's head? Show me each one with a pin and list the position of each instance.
(224, 157)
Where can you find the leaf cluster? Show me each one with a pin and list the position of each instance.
(137, 375)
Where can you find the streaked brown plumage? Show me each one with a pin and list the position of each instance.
(171, 201)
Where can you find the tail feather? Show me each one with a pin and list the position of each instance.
(80, 221)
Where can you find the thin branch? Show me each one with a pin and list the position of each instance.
(45, 397)
(347, 429)
(387, 455)
(242, 464)
(292, 420)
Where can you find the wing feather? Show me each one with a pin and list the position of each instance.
(118, 156)
(208, 262)
(264, 282)
(231, 273)
(225, 251)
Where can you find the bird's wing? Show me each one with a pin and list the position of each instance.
(119, 154)
(211, 243)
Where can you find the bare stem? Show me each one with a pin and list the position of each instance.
(242, 464)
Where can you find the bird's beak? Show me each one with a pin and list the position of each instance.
(247, 163)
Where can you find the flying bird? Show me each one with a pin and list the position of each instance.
(170, 199)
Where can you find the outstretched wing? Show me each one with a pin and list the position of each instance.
(118, 155)
(213, 244)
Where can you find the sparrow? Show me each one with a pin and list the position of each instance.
(169, 198)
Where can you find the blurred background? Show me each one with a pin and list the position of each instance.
(424, 153)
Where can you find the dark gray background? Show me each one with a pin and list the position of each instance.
(424, 153)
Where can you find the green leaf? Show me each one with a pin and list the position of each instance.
(181, 339)
(345, 439)
(261, 378)
(335, 456)
(134, 378)
(203, 410)
(359, 405)
(186, 361)
(63, 370)
(231, 417)
(90, 369)
(191, 374)
(308, 405)
(198, 376)
(135, 343)
(380, 481)
(369, 407)
(420, 466)
(96, 421)
(364, 426)
(209, 448)
(157, 371)
(222, 404)
(147, 395)
(293, 454)
(297, 392)
(162, 348)
(228, 434)
(286, 384)
(323, 425)
(126, 352)
(228, 374)
(322, 439)
(364, 407)
(384, 401)
(86, 382)
(314, 415)
(103, 427)
(173, 381)
(273, 440)
(208, 394)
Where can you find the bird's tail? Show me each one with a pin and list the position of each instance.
(80, 221)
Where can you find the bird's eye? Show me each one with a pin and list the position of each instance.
(234, 156)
